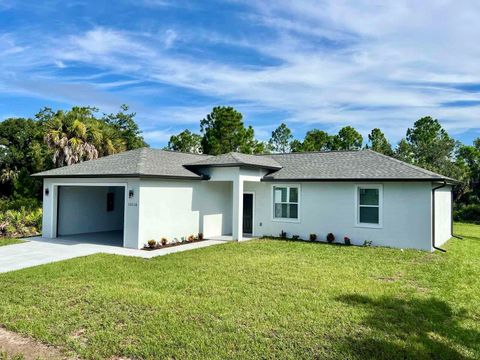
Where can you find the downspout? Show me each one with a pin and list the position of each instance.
(433, 216)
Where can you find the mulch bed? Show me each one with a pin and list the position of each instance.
(157, 247)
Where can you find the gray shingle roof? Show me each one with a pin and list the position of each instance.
(139, 162)
(238, 159)
(314, 166)
(347, 165)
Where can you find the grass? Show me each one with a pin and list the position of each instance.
(256, 299)
(9, 241)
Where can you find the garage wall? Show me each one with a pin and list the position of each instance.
(443, 215)
(330, 207)
(179, 208)
(83, 209)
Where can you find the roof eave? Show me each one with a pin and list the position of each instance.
(272, 179)
(146, 176)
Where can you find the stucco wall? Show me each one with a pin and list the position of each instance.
(84, 209)
(443, 215)
(49, 224)
(330, 207)
(176, 209)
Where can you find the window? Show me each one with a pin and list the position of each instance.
(369, 199)
(285, 202)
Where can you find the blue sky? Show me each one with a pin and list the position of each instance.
(312, 64)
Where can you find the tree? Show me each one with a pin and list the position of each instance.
(468, 156)
(347, 139)
(314, 140)
(296, 146)
(431, 145)
(69, 135)
(22, 152)
(379, 143)
(126, 127)
(280, 140)
(223, 131)
(186, 141)
(404, 152)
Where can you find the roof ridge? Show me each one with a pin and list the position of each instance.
(313, 152)
(234, 155)
(418, 168)
(141, 159)
(179, 152)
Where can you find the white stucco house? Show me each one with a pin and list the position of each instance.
(149, 194)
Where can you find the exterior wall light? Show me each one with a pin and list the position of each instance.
(47, 191)
(130, 194)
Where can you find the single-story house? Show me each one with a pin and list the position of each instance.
(149, 194)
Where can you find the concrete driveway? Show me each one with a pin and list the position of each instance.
(38, 251)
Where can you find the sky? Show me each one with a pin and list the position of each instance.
(309, 63)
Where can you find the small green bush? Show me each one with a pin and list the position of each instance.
(20, 223)
(330, 238)
(151, 244)
(313, 237)
(467, 213)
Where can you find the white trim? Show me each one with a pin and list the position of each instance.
(56, 185)
(380, 205)
(272, 203)
(253, 213)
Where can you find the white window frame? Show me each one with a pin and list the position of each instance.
(272, 202)
(380, 205)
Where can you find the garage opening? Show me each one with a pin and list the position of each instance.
(92, 214)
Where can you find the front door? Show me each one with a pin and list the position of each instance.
(247, 213)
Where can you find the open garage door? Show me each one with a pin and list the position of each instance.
(93, 214)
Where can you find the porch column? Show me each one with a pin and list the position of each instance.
(237, 211)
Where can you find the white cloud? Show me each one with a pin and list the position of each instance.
(370, 64)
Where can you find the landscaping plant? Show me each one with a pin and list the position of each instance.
(330, 238)
(151, 244)
(347, 241)
(313, 237)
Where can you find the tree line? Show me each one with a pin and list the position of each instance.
(426, 144)
(64, 137)
(59, 138)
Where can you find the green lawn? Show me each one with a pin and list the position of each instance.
(257, 299)
(9, 241)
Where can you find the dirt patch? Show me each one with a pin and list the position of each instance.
(14, 344)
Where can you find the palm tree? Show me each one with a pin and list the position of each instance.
(69, 135)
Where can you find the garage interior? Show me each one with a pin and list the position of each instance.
(92, 214)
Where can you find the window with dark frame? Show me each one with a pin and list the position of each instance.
(285, 202)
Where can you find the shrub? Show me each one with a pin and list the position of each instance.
(367, 243)
(347, 241)
(283, 234)
(151, 244)
(22, 222)
(163, 241)
(295, 237)
(313, 237)
(200, 236)
(467, 213)
(330, 238)
(191, 238)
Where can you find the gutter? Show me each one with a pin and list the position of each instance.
(433, 216)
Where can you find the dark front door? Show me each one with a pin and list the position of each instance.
(247, 213)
